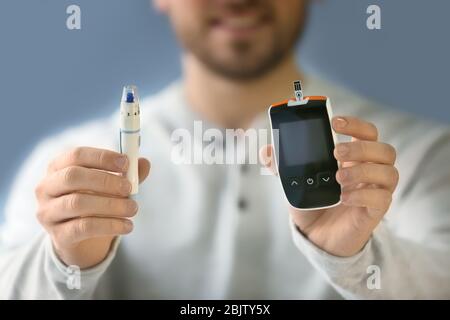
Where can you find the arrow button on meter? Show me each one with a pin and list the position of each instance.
(294, 182)
(324, 178)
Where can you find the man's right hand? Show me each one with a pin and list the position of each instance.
(83, 203)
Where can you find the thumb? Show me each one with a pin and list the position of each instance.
(144, 169)
(267, 158)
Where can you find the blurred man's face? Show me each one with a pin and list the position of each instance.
(239, 39)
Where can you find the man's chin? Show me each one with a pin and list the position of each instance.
(246, 69)
(242, 74)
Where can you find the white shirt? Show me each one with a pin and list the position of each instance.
(221, 231)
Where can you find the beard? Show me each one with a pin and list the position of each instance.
(245, 65)
(246, 59)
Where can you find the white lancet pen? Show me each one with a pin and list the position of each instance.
(130, 133)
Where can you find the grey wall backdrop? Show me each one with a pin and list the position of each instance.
(51, 77)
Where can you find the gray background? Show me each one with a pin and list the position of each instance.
(51, 77)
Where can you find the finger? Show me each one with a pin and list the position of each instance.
(355, 127)
(91, 158)
(267, 158)
(376, 199)
(370, 173)
(76, 230)
(74, 179)
(77, 205)
(144, 169)
(365, 151)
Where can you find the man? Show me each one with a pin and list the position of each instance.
(225, 231)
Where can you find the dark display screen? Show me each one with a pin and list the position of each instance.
(303, 142)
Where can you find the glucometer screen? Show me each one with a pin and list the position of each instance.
(303, 142)
(304, 136)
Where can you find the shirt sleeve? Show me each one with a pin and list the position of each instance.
(29, 267)
(387, 267)
(408, 255)
(34, 271)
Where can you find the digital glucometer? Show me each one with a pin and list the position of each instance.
(304, 143)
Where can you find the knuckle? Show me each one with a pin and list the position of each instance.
(362, 148)
(74, 155)
(73, 202)
(101, 157)
(388, 199)
(395, 176)
(392, 152)
(373, 131)
(81, 228)
(70, 174)
(104, 181)
(39, 190)
(41, 215)
(364, 172)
